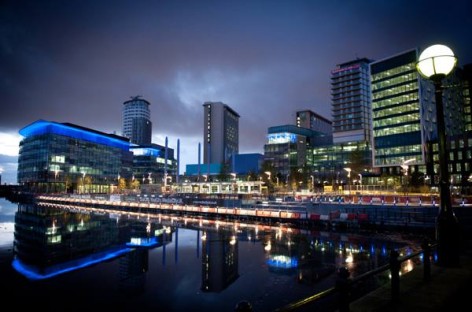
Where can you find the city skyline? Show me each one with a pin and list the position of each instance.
(77, 62)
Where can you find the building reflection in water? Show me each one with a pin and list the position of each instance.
(52, 239)
(219, 260)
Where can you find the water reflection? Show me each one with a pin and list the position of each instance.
(235, 260)
(52, 241)
(219, 260)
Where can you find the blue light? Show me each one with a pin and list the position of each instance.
(145, 151)
(44, 127)
(33, 272)
(143, 242)
(278, 138)
(282, 262)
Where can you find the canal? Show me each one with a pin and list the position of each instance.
(61, 259)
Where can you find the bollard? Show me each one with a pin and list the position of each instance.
(426, 260)
(395, 273)
(343, 286)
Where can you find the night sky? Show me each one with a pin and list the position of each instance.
(78, 61)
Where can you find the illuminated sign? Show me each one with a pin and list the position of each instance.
(145, 151)
(345, 68)
(285, 137)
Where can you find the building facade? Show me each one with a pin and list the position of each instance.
(350, 102)
(154, 164)
(287, 146)
(350, 148)
(311, 120)
(136, 121)
(399, 115)
(220, 133)
(63, 157)
(457, 115)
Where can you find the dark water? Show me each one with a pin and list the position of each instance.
(63, 259)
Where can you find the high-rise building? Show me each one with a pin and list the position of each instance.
(351, 112)
(350, 89)
(400, 116)
(220, 133)
(136, 121)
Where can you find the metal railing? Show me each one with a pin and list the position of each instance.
(344, 284)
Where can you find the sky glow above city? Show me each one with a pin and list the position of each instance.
(78, 61)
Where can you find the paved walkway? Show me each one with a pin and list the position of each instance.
(447, 290)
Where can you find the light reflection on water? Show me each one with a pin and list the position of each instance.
(171, 263)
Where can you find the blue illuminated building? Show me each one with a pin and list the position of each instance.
(63, 157)
(287, 145)
(150, 164)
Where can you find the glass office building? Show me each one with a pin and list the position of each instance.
(63, 157)
(398, 135)
(151, 165)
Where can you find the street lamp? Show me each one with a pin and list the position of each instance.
(435, 63)
(348, 179)
(268, 173)
(83, 181)
(360, 180)
(404, 167)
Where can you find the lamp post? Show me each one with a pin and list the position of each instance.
(435, 63)
(268, 173)
(360, 180)
(83, 182)
(348, 179)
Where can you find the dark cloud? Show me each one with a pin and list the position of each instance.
(78, 61)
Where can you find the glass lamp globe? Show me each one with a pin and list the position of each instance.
(436, 61)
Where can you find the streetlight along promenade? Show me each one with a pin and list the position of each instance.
(436, 63)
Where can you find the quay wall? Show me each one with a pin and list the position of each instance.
(327, 214)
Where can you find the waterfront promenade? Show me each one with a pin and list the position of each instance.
(447, 290)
